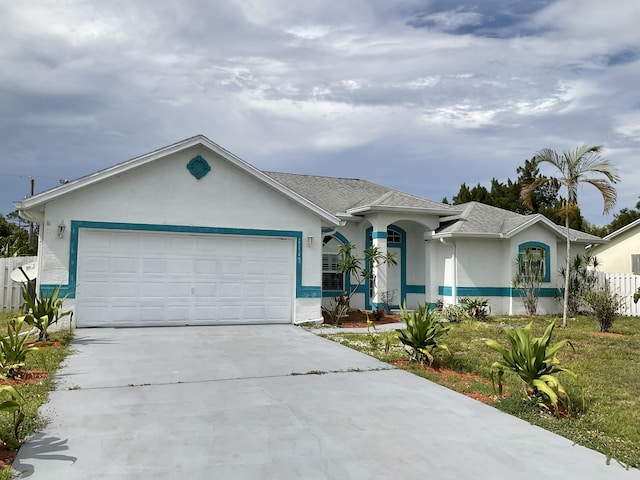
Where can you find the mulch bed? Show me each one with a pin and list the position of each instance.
(358, 319)
(7, 456)
(464, 379)
(28, 376)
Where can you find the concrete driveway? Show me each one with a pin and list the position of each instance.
(274, 402)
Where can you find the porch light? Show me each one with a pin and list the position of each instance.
(61, 228)
(309, 240)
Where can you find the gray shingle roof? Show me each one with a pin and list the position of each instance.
(337, 195)
(480, 219)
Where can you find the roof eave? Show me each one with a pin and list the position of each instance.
(467, 235)
(621, 230)
(389, 208)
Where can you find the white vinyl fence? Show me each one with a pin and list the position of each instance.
(10, 295)
(625, 285)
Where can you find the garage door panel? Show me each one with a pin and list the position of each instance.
(148, 278)
(206, 266)
(123, 265)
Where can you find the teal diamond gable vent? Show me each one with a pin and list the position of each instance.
(198, 167)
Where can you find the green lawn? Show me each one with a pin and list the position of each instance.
(606, 395)
(36, 394)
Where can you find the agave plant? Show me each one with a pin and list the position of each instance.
(421, 334)
(43, 311)
(534, 361)
(13, 349)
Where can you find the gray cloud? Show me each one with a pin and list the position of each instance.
(418, 95)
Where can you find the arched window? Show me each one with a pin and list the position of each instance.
(535, 257)
(332, 280)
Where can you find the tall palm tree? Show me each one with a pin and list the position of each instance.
(575, 167)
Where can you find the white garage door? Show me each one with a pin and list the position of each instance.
(129, 278)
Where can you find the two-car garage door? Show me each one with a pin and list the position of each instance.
(138, 278)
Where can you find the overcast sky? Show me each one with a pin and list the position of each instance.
(417, 95)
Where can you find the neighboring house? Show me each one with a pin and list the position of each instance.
(192, 234)
(621, 254)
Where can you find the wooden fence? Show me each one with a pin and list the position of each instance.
(625, 285)
(10, 295)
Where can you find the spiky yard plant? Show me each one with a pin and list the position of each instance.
(43, 311)
(420, 337)
(534, 360)
(15, 406)
(14, 349)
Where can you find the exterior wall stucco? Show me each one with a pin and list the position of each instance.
(486, 268)
(615, 257)
(165, 193)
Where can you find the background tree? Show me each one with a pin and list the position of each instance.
(14, 240)
(507, 196)
(574, 168)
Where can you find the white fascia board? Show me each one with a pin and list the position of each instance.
(467, 235)
(535, 219)
(416, 210)
(622, 229)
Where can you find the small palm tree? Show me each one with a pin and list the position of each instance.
(575, 167)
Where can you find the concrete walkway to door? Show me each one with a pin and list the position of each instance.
(275, 402)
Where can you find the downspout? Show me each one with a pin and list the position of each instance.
(454, 286)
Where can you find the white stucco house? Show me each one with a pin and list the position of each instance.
(192, 234)
(621, 252)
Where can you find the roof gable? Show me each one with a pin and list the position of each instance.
(622, 230)
(481, 220)
(37, 202)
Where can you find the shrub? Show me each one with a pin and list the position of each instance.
(534, 361)
(13, 351)
(421, 334)
(529, 277)
(453, 313)
(476, 308)
(582, 278)
(604, 305)
(14, 405)
(338, 309)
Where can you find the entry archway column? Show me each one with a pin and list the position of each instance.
(379, 271)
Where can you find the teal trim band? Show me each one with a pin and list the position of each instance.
(416, 289)
(493, 292)
(302, 291)
(361, 289)
(445, 291)
(309, 292)
(46, 289)
(547, 256)
(484, 291)
(331, 293)
(378, 234)
(544, 292)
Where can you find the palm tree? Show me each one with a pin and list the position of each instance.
(574, 167)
